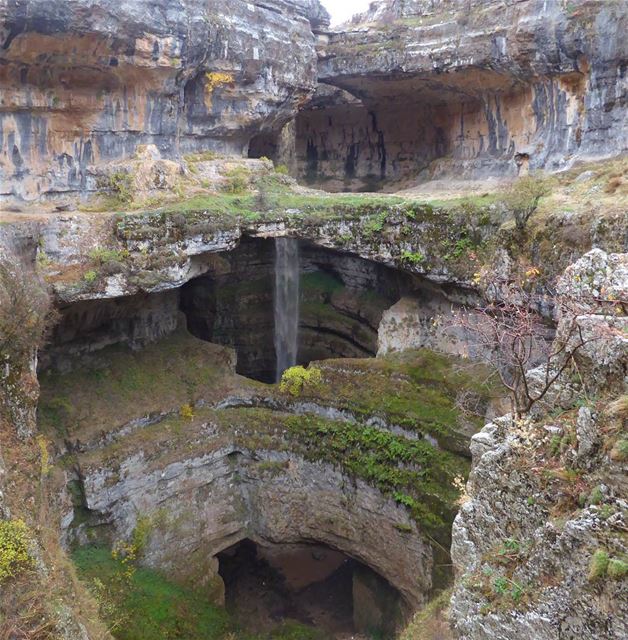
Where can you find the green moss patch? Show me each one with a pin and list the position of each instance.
(179, 370)
(142, 604)
(416, 390)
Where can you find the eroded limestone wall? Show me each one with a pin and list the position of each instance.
(85, 83)
(481, 87)
(200, 505)
(433, 129)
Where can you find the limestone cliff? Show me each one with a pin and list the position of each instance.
(546, 510)
(85, 83)
(466, 89)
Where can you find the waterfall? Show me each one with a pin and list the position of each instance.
(286, 303)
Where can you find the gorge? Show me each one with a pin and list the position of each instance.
(312, 333)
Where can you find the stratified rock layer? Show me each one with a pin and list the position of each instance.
(84, 83)
(469, 89)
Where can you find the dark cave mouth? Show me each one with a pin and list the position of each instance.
(312, 584)
(342, 298)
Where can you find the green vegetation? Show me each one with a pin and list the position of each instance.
(120, 185)
(431, 621)
(140, 604)
(295, 379)
(177, 371)
(319, 282)
(144, 604)
(102, 256)
(237, 180)
(617, 569)
(412, 258)
(602, 566)
(619, 452)
(204, 156)
(413, 472)
(598, 565)
(414, 389)
(522, 199)
(15, 544)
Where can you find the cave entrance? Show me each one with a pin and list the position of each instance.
(314, 585)
(264, 145)
(387, 134)
(341, 301)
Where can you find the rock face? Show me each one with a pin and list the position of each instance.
(199, 506)
(342, 298)
(546, 511)
(521, 573)
(85, 83)
(466, 88)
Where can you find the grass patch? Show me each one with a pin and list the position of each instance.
(162, 377)
(145, 605)
(148, 605)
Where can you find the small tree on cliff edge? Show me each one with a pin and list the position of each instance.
(512, 337)
(523, 196)
(25, 311)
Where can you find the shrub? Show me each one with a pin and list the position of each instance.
(598, 565)
(522, 198)
(617, 569)
(596, 496)
(295, 379)
(25, 309)
(412, 258)
(14, 549)
(619, 452)
(120, 184)
(237, 180)
(282, 169)
(101, 255)
(186, 412)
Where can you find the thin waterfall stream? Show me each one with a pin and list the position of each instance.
(286, 303)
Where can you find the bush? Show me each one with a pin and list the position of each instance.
(25, 309)
(522, 198)
(619, 452)
(237, 180)
(598, 565)
(295, 379)
(90, 276)
(617, 569)
(14, 549)
(120, 184)
(186, 412)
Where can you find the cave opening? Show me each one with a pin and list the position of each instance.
(267, 585)
(264, 145)
(342, 299)
(387, 134)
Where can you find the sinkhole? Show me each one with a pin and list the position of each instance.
(248, 302)
(267, 585)
(332, 309)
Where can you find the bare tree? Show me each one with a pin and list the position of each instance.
(25, 310)
(511, 336)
